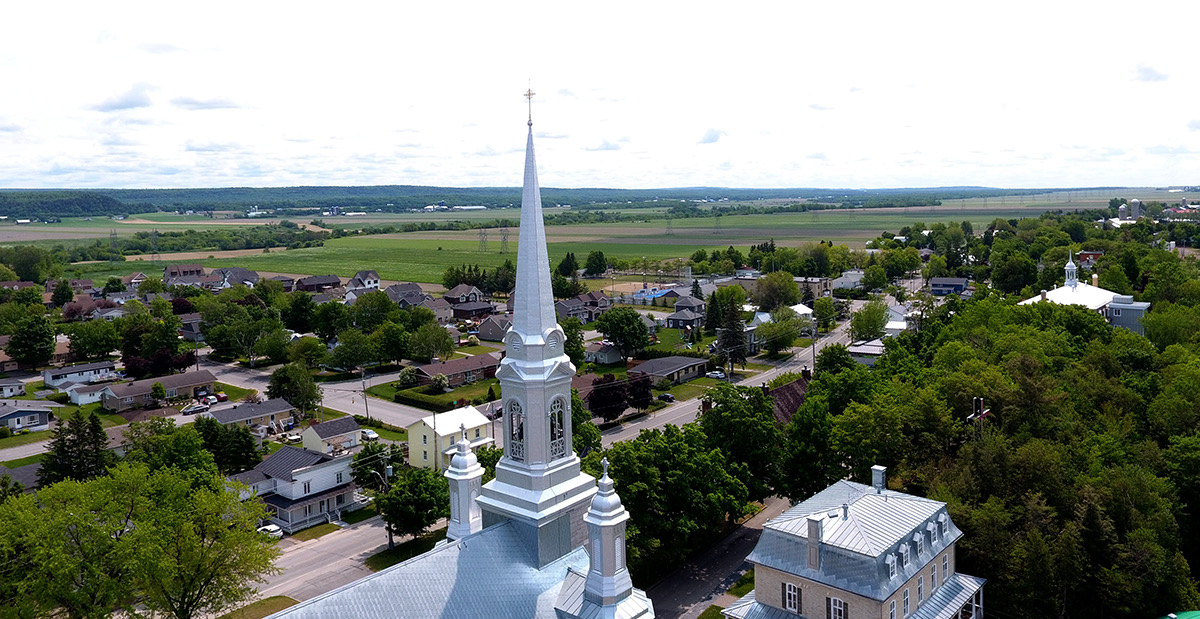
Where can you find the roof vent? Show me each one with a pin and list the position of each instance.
(845, 511)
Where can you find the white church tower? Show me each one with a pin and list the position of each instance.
(1070, 272)
(538, 484)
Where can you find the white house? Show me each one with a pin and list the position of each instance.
(11, 387)
(301, 487)
(332, 437)
(59, 378)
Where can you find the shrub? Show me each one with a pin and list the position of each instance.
(408, 378)
(5, 432)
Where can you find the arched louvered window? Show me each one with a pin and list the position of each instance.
(516, 431)
(558, 432)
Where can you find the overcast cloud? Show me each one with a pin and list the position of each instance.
(630, 94)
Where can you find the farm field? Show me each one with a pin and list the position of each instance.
(423, 256)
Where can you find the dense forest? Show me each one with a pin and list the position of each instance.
(54, 204)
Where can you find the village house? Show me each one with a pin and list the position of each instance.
(182, 270)
(439, 432)
(493, 328)
(334, 437)
(59, 378)
(572, 308)
(236, 276)
(463, 370)
(853, 550)
(473, 310)
(11, 387)
(685, 318)
(364, 279)
(318, 283)
(28, 415)
(80, 393)
(463, 293)
(301, 488)
(942, 286)
(675, 369)
(124, 396)
(262, 418)
(604, 354)
(441, 308)
(134, 280)
(289, 284)
(190, 327)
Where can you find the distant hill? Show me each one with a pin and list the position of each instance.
(50, 204)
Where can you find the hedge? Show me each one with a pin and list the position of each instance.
(420, 400)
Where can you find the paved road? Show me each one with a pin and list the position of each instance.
(686, 592)
(318, 566)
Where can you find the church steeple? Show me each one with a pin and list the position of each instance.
(465, 477)
(608, 579)
(1072, 278)
(538, 480)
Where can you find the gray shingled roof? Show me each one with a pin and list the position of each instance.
(667, 365)
(242, 412)
(488, 574)
(174, 381)
(281, 463)
(25, 475)
(83, 367)
(334, 427)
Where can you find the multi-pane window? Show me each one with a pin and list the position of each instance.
(933, 535)
(892, 568)
(933, 578)
(339, 478)
(835, 609)
(424, 439)
(920, 544)
(906, 602)
(307, 487)
(920, 589)
(892, 610)
(791, 597)
(945, 566)
(904, 555)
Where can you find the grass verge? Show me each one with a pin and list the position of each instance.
(359, 515)
(315, 532)
(744, 585)
(712, 612)
(12, 464)
(235, 393)
(404, 552)
(261, 608)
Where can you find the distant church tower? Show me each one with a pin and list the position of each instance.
(538, 484)
(1071, 274)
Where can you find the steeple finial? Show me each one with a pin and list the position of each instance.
(529, 95)
(463, 428)
(604, 465)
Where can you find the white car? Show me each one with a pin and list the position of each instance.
(717, 374)
(369, 435)
(209, 399)
(271, 530)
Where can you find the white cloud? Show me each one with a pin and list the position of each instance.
(606, 145)
(189, 103)
(135, 97)
(711, 136)
(1148, 74)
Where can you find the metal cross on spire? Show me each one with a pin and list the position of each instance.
(529, 95)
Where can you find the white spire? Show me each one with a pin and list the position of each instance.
(1072, 278)
(465, 477)
(533, 303)
(608, 579)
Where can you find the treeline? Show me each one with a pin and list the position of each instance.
(224, 238)
(56, 204)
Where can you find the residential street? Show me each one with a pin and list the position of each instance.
(317, 566)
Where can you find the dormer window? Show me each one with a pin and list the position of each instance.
(891, 563)
(920, 540)
(904, 555)
(933, 534)
(943, 525)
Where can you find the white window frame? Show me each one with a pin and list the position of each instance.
(424, 439)
(920, 544)
(933, 578)
(339, 477)
(892, 610)
(920, 589)
(945, 567)
(904, 554)
(906, 606)
(791, 597)
(933, 535)
(891, 567)
(307, 486)
(837, 609)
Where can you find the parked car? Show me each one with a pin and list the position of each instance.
(271, 530)
(209, 399)
(369, 435)
(192, 409)
(667, 397)
(717, 374)
(221, 397)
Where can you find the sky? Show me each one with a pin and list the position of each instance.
(642, 94)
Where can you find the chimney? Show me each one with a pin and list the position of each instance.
(1043, 295)
(814, 542)
(765, 389)
(1096, 280)
(878, 478)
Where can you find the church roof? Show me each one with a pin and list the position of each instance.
(488, 574)
(1087, 295)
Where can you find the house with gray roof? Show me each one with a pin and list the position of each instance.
(676, 369)
(463, 293)
(26, 475)
(685, 318)
(11, 387)
(318, 283)
(335, 436)
(58, 378)
(853, 550)
(364, 279)
(493, 328)
(301, 488)
(27, 415)
(236, 276)
(443, 312)
(261, 418)
(124, 396)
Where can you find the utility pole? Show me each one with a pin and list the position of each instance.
(362, 374)
(387, 487)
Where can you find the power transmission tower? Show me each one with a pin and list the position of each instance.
(669, 230)
(483, 239)
(504, 240)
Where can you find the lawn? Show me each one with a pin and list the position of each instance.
(235, 393)
(24, 439)
(467, 392)
(392, 435)
(744, 585)
(272, 446)
(405, 551)
(477, 350)
(359, 515)
(19, 462)
(694, 388)
(261, 608)
(712, 612)
(672, 339)
(326, 413)
(315, 532)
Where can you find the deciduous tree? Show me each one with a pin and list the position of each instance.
(294, 383)
(417, 499)
(623, 326)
